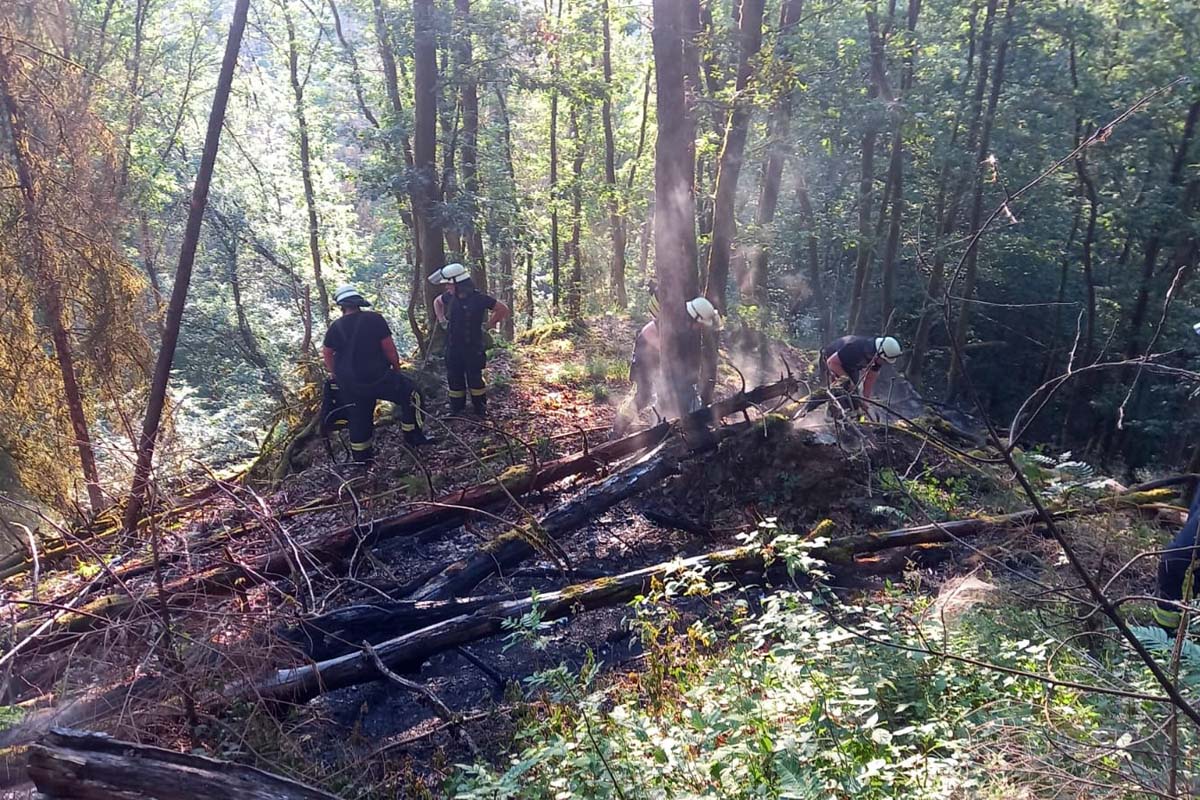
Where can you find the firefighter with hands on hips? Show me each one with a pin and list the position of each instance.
(462, 310)
(644, 367)
(359, 353)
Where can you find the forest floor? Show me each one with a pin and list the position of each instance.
(112, 664)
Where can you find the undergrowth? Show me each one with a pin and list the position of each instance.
(813, 698)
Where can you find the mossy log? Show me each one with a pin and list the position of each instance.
(92, 766)
(410, 649)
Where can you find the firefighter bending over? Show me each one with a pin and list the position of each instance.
(644, 367)
(853, 361)
(1177, 572)
(359, 353)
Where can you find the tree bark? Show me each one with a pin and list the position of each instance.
(183, 274)
(575, 298)
(675, 210)
(555, 265)
(510, 233)
(352, 61)
(1137, 317)
(955, 377)
(946, 217)
(310, 198)
(778, 126)
(812, 250)
(616, 219)
(391, 82)
(732, 152)
(48, 277)
(896, 172)
(470, 138)
(75, 765)
(426, 194)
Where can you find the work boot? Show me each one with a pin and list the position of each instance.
(480, 405)
(458, 405)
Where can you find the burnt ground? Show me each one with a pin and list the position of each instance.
(549, 396)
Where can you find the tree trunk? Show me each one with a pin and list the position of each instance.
(575, 299)
(250, 345)
(310, 199)
(732, 152)
(675, 210)
(426, 194)
(896, 173)
(352, 62)
(947, 210)
(955, 377)
(1137, 318)
(76, 765)
(812, 249)
(470, 137)
(772, 169)
(183, 274)
(391, 82)
(510, 245)
(50, 286)
(616, 219)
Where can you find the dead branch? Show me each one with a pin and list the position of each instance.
(90, 766)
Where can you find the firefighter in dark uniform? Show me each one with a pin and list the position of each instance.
(1176, 572)
(463, 311)
(647, 359)
(853, 361)
(359, 353)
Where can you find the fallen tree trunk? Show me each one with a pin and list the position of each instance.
(91, 766)
(300, 684)
(328, 549)
(513, 547)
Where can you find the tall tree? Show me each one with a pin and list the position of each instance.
(675, 208)
(971, 270)
(575, 297)
(750, 15)
(310, 196)
(50, 281)
(391, 83)
(895, 181)
(778, 125)
(616, 219)
(183, 274)
(949, 199)
(555, 78)
(426, 193)
(469, 144)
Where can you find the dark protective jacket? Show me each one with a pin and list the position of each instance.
(855, 353)
(465, 317)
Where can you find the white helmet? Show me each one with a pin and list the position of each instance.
(888, 348)
(703, 311)
(1196, 328)
(348, 295)
(451, 273)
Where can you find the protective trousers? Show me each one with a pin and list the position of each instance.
(464, 373)
(643, 380)
(396, 389)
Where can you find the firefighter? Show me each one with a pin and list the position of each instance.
(359, 353)
(462, 311)
(647, 358)
(1176, 571)
(855, 360)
